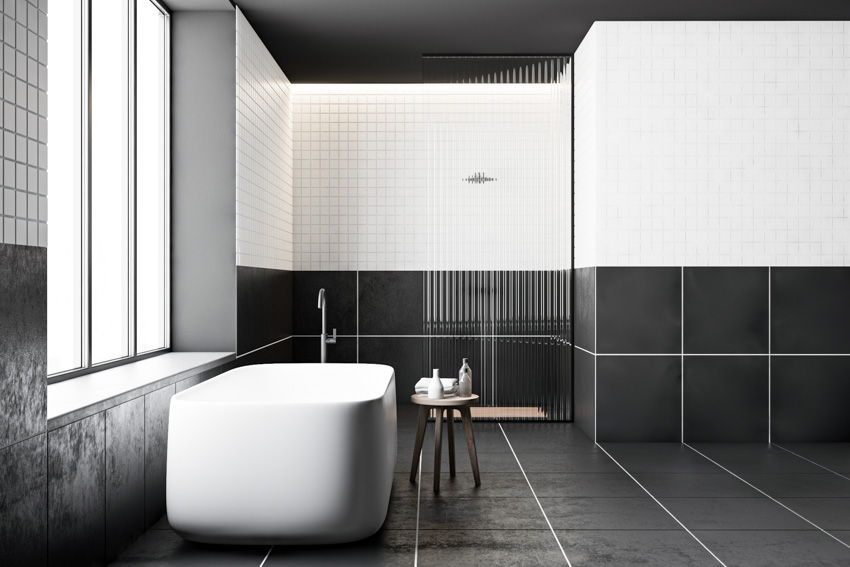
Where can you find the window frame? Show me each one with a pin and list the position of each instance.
(86, 366)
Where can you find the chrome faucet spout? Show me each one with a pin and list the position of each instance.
(324, 338)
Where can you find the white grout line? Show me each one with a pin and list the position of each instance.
(811, 461)
(769, 360)
(767, 495)
(682, 360)
(662, 505)
(535, 496)
(585, 350)
(267, 556)
(265, 346)
(418, 499)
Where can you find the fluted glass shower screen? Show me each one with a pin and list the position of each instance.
(499, 221)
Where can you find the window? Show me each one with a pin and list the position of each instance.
(108, 184)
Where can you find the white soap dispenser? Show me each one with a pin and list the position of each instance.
(464, 383)
(435, 388)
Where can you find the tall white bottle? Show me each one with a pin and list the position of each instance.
(464, 382)
(435, 388)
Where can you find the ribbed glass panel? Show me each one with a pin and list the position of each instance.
(499, 231)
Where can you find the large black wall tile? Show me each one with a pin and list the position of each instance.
(308, 349)
(585, 392)
(726, 310)
(157, 405)
(585, 309)
(277, 352)
(263, 307)
(810, 310)
(404, 354)
(340, 302)
(390, 303)
(638, 398)
(76, 497)
(23, 342)
(638, 310)
(809, 396)
(23, 502)
(726, 399)
(125, 475)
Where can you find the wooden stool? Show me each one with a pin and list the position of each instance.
(449, 405)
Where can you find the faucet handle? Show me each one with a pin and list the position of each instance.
(332, 339)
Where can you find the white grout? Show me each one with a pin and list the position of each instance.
(662, 505)
(535, 497)
(811, 461)
(767, 495)
(267, 556)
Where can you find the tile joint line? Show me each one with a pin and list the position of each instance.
(684, 527)
(767, 495)
(811, 461)
(535, 496)
(266, 558)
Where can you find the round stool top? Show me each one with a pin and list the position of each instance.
(424, 400)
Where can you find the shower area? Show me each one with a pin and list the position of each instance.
(496, 288)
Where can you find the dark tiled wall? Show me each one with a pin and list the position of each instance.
(380, 315)
(584, 334)
(263, 307)
(732, 350)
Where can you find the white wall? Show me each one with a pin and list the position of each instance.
(379, 169)
(263, 155)
(23, 214)
(713, 143)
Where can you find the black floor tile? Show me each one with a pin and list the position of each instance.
(581, 485)
(494, 548)
(827, 513)
(161, 548)
(741, 458)
(568, 463)
(386, 549)
(775, 548)
(497, 485)
(469, 514)
(606, 514)
(833, 456)
(487, 462)
(695, 485)
(626, 548)
(825, 485)
(675, 461)
(733, 514)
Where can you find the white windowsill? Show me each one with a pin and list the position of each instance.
(83, 396)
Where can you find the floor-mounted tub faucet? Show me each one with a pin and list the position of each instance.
(325, 340)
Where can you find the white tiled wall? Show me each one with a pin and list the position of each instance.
(379, 175)
(716, 143)
(23, 214)
(263, 155)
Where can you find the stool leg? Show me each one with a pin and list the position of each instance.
(420, 436)
(438, 447)
(466, 416)
(450, 422)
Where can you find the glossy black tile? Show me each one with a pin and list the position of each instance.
(404, 354)
(76, 493)
(743, 458)
(726, 398)
(833, 456)
(23, 342)
(638, 310)
(157, 406)
(733, 514)
(641, 513)
(829, 513)
(386, 548)
(753, 548)
(23, 500)
(584, 332)
(695, 485)
(809, 398)
(467, 513)
(800, 485)
(681, 460)
(584, 384)
(391, 303)
(164, 548)
(277, 352)
(726, 310)
(340, 302)
(584, 485)
(638, 398)
(621, 548)
(308, 349)
(263, 307)
(125, 475)
(496, 548)
(810, 310)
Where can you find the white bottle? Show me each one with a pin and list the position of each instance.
(435, 388)
(464, 383)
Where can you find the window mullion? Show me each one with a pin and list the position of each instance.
(87, 186)
(132, 187)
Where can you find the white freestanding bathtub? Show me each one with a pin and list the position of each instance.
(283, 454)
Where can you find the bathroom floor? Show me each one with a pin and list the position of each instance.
(549, 496)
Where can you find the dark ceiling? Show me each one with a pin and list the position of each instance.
(382, 41)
